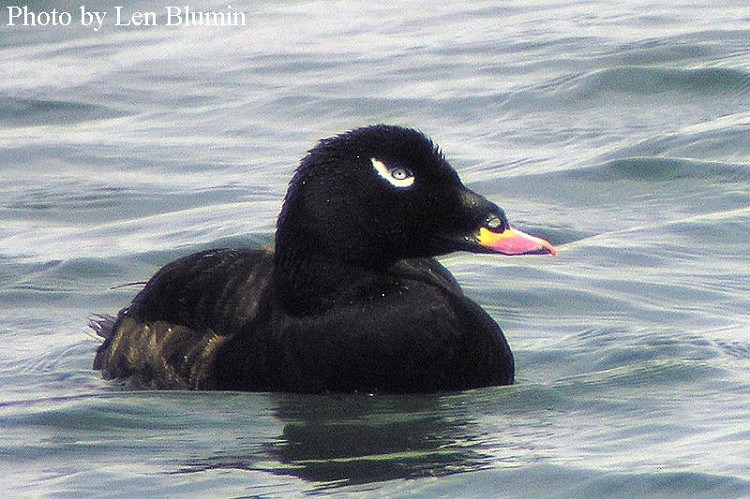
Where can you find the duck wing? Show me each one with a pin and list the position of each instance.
(168, 336)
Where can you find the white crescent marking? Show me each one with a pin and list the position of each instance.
(385, 173)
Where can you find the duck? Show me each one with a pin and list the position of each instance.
(350, 299)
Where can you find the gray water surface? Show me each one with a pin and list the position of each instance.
(620, 131)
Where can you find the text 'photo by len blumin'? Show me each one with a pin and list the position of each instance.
(120, 16)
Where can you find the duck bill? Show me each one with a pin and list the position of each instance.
(513, 242)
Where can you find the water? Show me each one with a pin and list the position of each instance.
(618, 130)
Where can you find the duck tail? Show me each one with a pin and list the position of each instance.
(103, 326)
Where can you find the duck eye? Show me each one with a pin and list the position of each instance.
(398, 177)
(401, 173)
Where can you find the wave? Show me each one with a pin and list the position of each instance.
(641, 80)
(722, 139)
(712, 88)
(656, 169)
(18, 112)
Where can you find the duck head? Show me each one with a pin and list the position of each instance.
(378, 194)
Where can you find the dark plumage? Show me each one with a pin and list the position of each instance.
(350, 300)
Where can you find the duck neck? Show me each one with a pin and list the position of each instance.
(308, 281)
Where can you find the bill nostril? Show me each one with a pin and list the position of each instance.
(495, 224)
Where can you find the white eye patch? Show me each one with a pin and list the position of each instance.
(398, 177)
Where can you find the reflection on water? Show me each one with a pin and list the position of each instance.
(360, 438)
(335, 440)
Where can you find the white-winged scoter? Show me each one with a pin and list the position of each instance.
(351, 299)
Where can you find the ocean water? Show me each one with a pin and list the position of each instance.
(620, 131)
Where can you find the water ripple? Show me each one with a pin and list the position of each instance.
(19, 112)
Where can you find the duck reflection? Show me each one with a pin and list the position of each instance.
(354, 439)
